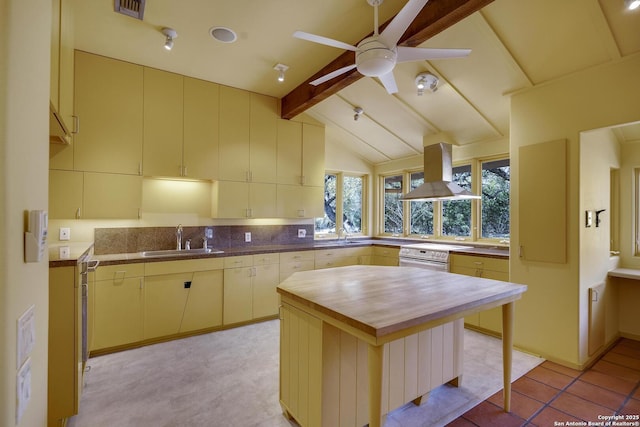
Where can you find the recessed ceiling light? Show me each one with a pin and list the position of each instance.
(223, 34)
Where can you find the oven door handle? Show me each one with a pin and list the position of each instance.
(431, 265)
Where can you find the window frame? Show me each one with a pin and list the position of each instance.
(476, 206)
(340, 205)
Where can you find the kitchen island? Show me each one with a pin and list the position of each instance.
(384, 310)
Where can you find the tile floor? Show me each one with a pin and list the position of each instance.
(553, 395)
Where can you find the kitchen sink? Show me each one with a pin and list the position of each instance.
(185, 252)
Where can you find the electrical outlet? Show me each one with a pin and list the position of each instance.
(247, 236)
(65, 233)
(26, 335)
(208, 233)
(302, 233)
(23, 389)
(64, 252)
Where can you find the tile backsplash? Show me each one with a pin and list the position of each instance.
(137, 239)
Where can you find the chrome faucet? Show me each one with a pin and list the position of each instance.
(179, 237)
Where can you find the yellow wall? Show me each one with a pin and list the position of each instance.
(24, 143)
(549, 317)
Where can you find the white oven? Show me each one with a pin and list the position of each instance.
(430, 256)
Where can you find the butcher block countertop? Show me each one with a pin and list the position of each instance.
(381, 301)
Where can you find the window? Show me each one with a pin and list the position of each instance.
(496, 182)
(393, 205)
(468, 219)
(456, 214)
(344, 198)
(421, 213)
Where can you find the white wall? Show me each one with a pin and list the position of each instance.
(25, 28)
(549, 317)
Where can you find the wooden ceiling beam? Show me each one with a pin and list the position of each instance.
(435, 17)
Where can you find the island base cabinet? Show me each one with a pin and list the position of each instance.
(323, 374)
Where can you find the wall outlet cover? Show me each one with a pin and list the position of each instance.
(65, 233)
(247, 236)
(26, 335)
(302, 232)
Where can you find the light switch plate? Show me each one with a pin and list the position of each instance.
(247, 236)
(588, 218)
(23, 389)
(26, 335)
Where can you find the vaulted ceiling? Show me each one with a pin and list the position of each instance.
(516, 44)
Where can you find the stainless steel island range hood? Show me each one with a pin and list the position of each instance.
(438, 175)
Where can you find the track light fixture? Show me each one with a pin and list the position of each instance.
(170, 35)
(426, 81)
(632, 4)
(358, 112)
(280, 68)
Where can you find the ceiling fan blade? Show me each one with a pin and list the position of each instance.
(407, 54)
(332, 74)
(401, 22)
(323, 40)
(389, 82)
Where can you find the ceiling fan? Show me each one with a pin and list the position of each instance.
(377, 55)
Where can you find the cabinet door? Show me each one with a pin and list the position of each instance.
(237, 295)
(234, 134)
(230, 199)
(297, 201)
(204, 303)
(111, 196)
(65, 194)
(312, 155)
(312, 202)
(264, 124)
(200, 150)
(163, 113)
(165, 298)
(289, 164)
(265, 297)
(262, 200)
(108, 103)
(117, 318)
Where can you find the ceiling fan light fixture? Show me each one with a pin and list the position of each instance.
(632, 4)
(374, 59)
(170, 34)
(426, 81)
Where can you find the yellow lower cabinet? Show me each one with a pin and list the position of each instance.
(291, 262)
(264, 296)
(204, 303)
(117, 306)
(488, 268)
(165, 297)
(65, 361)
(385, 256)
(237, 295)
(340, 257)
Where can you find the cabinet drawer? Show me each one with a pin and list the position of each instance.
(264, 259)
(296, 256)
(119, 271)
(287, 269)
(342, 252)
(238, 261)
(385, 251)
(337, 262)
(485, 263)
(183, 266)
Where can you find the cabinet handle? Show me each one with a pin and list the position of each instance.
(478, 262)
(78, 213)
(302, 179)
(139, 168)
(139, 213)
(141, 282)
(185, 172)
(76, 124)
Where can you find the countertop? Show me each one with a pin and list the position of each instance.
(78, 249)
(380, 300)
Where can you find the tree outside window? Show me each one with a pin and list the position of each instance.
(421, 220)
(456, 214)
(393, 204)
(343, 205)
(352, 196)
(496, 180)
(327, 224)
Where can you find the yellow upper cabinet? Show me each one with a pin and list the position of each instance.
(200, 150)
(263, 138)
(289, 162)
(62, 60)
(109, 106)
(163, 121)
(312, 155)
(234, 134)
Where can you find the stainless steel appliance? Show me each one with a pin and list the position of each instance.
(431, 256)
(85, 265)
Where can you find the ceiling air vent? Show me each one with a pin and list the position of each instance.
(134, 8)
